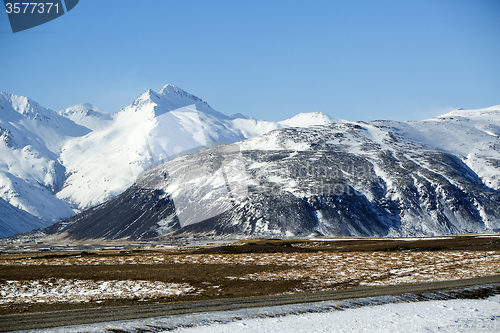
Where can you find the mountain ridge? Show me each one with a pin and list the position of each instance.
(377, 179)
(56, 164)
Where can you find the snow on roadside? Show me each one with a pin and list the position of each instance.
(432, 316)
(77, 291)
(376, 314)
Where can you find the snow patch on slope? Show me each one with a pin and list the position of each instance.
(77, 291)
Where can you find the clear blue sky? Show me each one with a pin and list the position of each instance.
(357, 60)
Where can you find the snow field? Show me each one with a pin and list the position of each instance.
(77, 291)
(432, 316)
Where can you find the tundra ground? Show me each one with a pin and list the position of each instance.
(32, 282)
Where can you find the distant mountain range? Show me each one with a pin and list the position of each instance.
(56, 164)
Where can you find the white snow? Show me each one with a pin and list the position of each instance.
(472, 135)
(310, 119)
(157, 127)
(77, 291)
(55, 164)
(360, 315)
(31, 139)
(88, 115)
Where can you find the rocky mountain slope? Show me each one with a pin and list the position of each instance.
(53, 165)
(381, 178)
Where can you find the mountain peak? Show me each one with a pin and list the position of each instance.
(170, 89)
(489, 114)
(146, 97)
(25, 106)
(87, 115)
(170, 98)
(65, 166)
(308, 119)
(82, 107)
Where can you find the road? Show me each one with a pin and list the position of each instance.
(88, 316)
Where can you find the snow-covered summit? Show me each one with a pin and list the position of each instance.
(487, 114)
(47, 128)
(171, 90)
(309, 119)
(82, 107)
(153, 104)
(55, 164)
(32, 138)
(88, 115)
(377, 178)
(155, 128)
(24, 106)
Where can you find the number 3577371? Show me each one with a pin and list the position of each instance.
(31, 7)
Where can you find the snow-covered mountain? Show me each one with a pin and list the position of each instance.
(155, 128)
(53, 165)
(380, 178)
(31, 140)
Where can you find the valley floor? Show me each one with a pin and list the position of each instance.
(60, 281)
